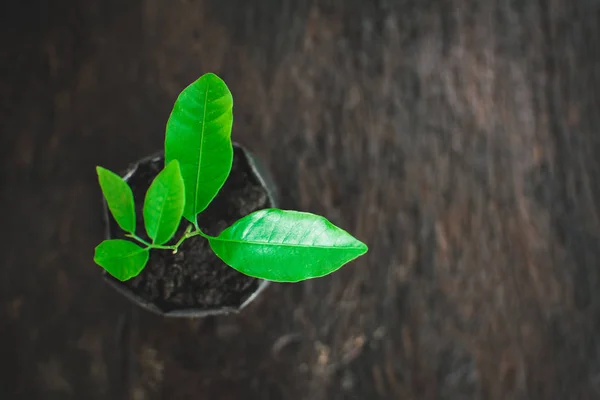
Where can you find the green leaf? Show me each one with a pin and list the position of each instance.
(199, 137)
(285, 246)
(121, 258)
(164, 204)
(119, 198)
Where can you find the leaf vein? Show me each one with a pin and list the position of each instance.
(197, 188)
(248, 242)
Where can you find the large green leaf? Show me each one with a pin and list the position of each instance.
(119, 198)
(121, 258)
(199, 137)
(164, 204)
(285, 246)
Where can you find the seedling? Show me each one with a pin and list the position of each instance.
(272, 244)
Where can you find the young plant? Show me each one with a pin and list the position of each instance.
(272, 244)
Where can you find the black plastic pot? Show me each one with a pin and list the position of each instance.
(194, 282)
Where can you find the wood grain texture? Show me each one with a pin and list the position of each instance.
(458, 139)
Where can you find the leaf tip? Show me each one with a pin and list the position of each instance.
(174, 163)
(211, 75)
(363, 247)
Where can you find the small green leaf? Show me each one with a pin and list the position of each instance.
(121, 258)
(164, 204)
(119, 198)
(199, 137)
(285, 246)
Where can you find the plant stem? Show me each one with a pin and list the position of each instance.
(185, 236)
(139, 239)
(188, 234)
(149, 245)
(204, 235)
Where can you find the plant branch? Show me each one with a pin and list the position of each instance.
(185, 236)
(188, 234)
(139, 239)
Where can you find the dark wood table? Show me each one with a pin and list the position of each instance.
(459, 139)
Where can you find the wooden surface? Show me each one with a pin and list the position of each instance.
(459, 139)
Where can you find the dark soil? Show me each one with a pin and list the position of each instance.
(195, 278)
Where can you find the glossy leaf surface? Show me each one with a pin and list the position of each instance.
(199, 137)
(119, 198)
(285, 246)
(121, 258)
(164, 203)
